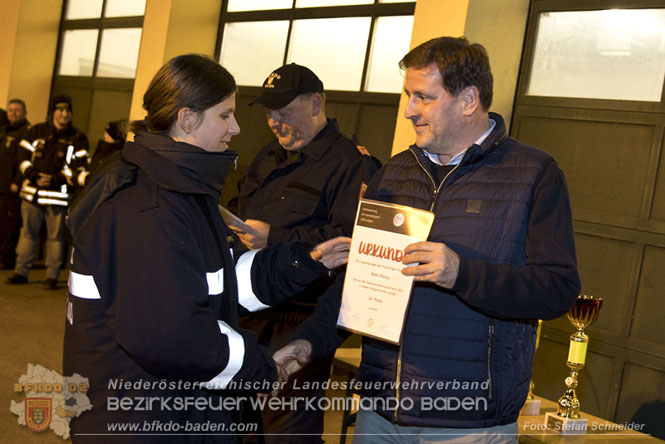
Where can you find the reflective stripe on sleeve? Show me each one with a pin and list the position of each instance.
(28, 188)
(24, 166)
(215, 282)
(82, 177)
(83, 286)
(246, 296)
(25, 144)
(236, 357)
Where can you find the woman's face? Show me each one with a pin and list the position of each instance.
(216, 127)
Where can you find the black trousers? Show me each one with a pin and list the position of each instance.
(10, 225)
(293, 426)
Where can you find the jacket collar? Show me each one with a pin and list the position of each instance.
(319, 145)
(17, 125)
(475, 153)
(179, 166)
(64, 132)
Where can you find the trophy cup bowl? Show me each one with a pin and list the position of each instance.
(567, 418)
(584, 311)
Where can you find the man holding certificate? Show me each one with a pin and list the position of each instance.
(500, 255)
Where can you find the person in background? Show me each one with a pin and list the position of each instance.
(15, 130)
(157, 279)
(500, 255)
(115, 134)
(49, 155)
(302, 186)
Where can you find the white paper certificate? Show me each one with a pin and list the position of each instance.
(376, 293)
(234, 221)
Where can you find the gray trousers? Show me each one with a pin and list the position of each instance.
(372, 428)
(33, 216)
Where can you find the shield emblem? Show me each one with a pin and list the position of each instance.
(38, 413)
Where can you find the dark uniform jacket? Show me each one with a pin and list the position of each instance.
(155, 287)
(310, 195)
(47, 150)
(10, 137)
(505, 211)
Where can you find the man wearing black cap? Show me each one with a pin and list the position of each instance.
(303, 186)
(49, 155)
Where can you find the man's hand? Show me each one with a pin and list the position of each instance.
(44, 180)
(332, 253)
(255, 238)
(291, 358)
(13, 188)
(435, 263)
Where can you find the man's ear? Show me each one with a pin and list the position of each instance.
(187, 119)
(317, 104)
(470, 100)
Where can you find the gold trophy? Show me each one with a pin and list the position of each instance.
(532, 405)
(567, 418)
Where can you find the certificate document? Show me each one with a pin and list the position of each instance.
(232, 220)
(376, 293)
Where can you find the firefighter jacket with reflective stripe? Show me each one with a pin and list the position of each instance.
(10, 137)
(155, 288)
(57, 153)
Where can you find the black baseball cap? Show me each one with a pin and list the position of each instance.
(285, 84)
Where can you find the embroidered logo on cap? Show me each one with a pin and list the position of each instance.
(271, 78)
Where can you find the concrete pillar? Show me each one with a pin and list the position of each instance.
(29, 32)
(499, 25)
(171, 28)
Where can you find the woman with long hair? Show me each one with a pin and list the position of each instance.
(157, 279)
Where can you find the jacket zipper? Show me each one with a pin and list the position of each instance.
(437, 190)
(490, 344)
(435, 193)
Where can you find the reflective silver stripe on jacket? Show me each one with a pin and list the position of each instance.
(236, 357)
(246, 296)
(24, 166)
(83, 286)
(45, 197)
(25, 144)
(82, 177)
(215, 282)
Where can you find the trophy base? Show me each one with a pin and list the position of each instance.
(531, 407)
(565, 426)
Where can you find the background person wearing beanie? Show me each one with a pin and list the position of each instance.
(11, 134)
(47, 158)
(113, 141)
(303, 186)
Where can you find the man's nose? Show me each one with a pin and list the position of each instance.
(411, 110)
